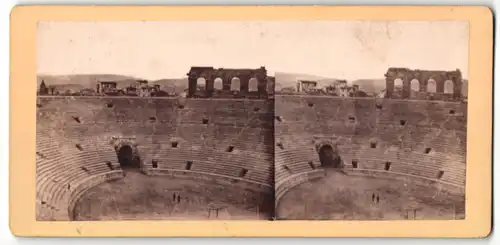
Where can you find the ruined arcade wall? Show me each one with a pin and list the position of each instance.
(429, 84)
(211, 74)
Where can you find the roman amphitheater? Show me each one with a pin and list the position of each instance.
(215, 154)
(130, 158)
(398, 157)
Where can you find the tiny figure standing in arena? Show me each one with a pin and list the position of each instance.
(178, 199)
(378, 198)
(373, 197)
(174, 197)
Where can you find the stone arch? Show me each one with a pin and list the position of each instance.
(329, 157)
(431, 86)
(398, 83)
(235, 84)
(127, 157)
(218, 84)
(448, 87)
(201, 84)
(398, 88)
(127, 153)
(253, 84)
(414, 85)
(328, 153)
(319, 142)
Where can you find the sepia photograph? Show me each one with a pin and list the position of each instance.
(371, 121)
(153, 120)
(250, 121)
(366, 124)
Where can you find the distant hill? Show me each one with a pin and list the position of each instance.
(287, 79)
(85, 80)
(80, 81)
(172, 85)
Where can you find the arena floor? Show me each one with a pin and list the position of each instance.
(142, 197)
(342, 197)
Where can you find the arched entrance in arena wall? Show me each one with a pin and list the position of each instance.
(127, 157)
(329, 157)
(126, 152)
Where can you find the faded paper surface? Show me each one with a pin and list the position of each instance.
(354, 55)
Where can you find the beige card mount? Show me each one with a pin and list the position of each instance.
(251, 121)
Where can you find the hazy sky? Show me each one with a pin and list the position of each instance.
(167, 49)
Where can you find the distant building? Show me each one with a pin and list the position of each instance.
(143, 89)
(43, 90)
(106, 87)
(343, 89)
(87, 92)
(103, 87)
(306, 86)
(288, 90)
(338, 88)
